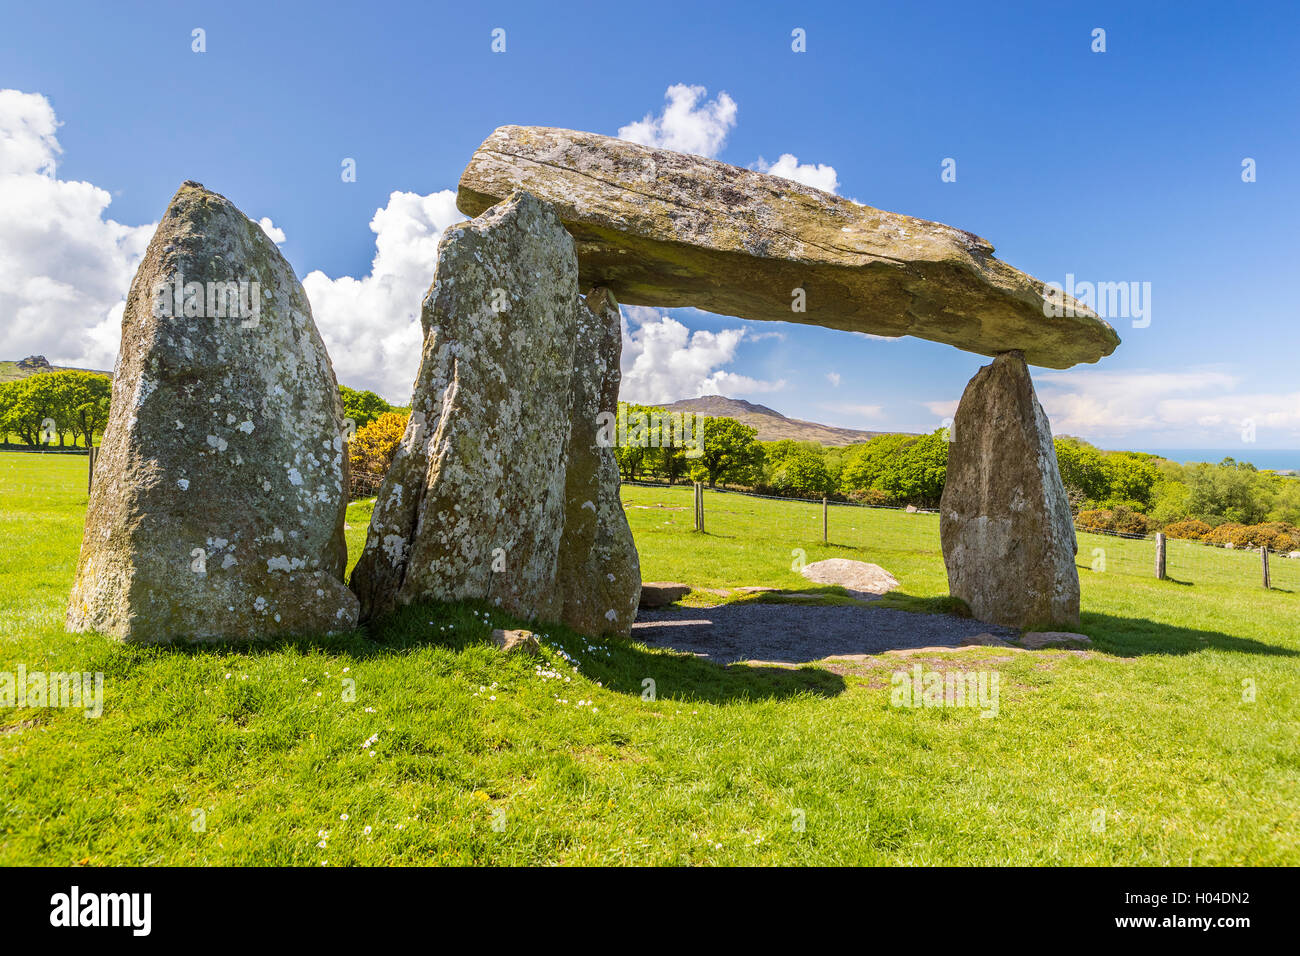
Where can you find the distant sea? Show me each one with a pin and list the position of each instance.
(1265, 459)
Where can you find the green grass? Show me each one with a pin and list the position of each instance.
(1151, 728)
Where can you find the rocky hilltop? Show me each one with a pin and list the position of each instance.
(771, 424)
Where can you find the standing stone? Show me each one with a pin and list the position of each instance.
(473, 505)
(218, 501)
(600, 574)
(1008, 539)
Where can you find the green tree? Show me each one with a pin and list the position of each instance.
(1131, 479)
(1224, 492)
(8, 405)
(865, 464)
(669, 463)
(803, 471)
(35, 405)
(731, 452)
(84, 401)
(362, 407)
(906, 468)
(1083, 471)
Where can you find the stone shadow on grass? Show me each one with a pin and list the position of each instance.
(621, 666)
(1135, 637)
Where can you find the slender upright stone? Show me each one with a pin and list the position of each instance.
(600, 574)
(1008, 538)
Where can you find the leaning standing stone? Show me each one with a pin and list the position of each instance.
(473, 505)
(600, 574)
(1008, 539)
(218, 500)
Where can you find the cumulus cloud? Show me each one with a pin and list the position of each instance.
(942, 410)
(819, 176)
(1193, 404)
(64, 267)
(273, 233)
(664, 361)
(371, 325)
(833, 378)
(686, 124)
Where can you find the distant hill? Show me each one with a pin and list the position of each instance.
(13, 371)
(771, 424)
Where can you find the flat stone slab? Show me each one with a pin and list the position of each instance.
(667, 229)
(662, 593)
(1034, 640)
(857, 577)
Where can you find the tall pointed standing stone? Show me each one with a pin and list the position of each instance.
(1008, 538)
(473, 505)
(217, 507)
(600, 574)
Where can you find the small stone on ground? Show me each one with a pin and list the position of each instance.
(862, 580)
(662, 593)
(517, 642)
(1036, 639)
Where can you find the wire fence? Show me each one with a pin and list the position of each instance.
(852, 524)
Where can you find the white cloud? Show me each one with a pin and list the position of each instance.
(685, 126)
(833, 378)
(664, 361)
(943, 409)
(371, 325)
(273, 233)
(819, 176)
(64, 267)
(1192, 406)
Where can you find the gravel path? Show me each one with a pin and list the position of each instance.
(796, 634)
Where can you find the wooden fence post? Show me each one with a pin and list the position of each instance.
(824, 519)
(1160, 555)
(1263, 556)
(699, 506)
(90, 468)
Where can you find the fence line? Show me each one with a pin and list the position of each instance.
(1184, 561)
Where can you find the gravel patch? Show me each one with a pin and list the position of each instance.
(797, 634)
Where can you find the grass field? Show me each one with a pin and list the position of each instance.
(1144, 752)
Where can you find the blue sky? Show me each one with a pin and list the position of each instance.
(1123, 165)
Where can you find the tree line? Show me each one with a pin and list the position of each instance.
(69, 408)
(1230, 502)
(1124, 491)
(62, 409)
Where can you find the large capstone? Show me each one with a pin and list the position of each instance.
(218, 500)
(1008, 539)
(667, 229)
(599, 574)
(473, 506)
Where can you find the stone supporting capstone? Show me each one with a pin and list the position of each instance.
(1005, 525)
